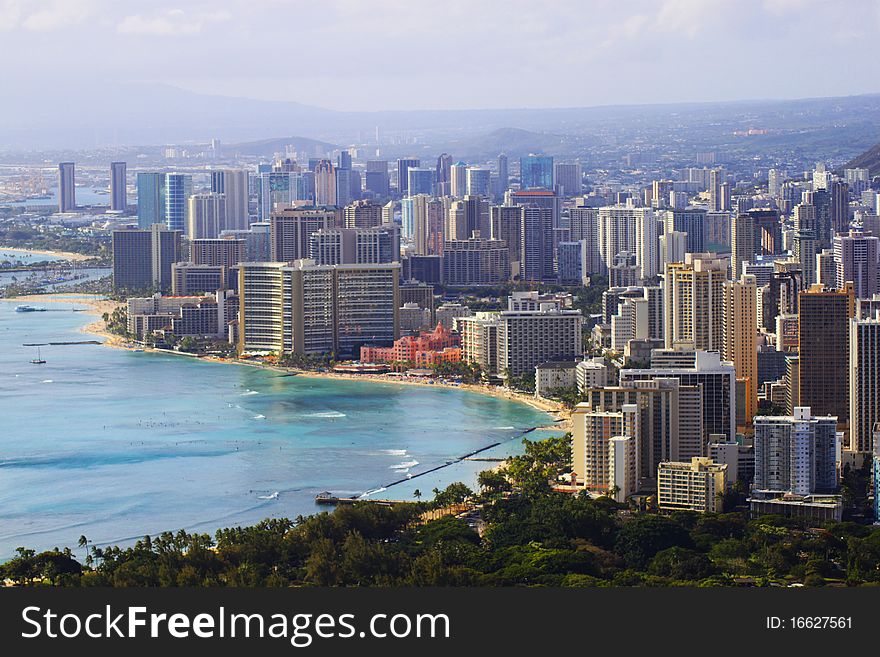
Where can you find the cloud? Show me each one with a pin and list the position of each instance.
(10, 14)
(172, 22)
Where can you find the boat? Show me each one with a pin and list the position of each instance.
(39, 359)
(29, 309)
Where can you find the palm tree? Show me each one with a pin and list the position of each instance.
(417, 494)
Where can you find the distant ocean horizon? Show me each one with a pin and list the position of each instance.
(114, 444)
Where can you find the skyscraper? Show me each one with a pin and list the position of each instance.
(325, 183)
(291, 230)
(206, 215)
(150, 199)
(479, 182)
(567, 177)
(536, 172)
(234, 184)
(740, 337)
(420, 181)
(536, 244)
(403, 167)
(458, 179)
(66, 187)
(856, 260)
(864, 388)
(693, 301)
(306, 308)
(824, 350)
(797, 453)
(503, 176)
(443, 174)
(142, 258)
(118, 194)
(742, 242)
(178, 189)
(691, 221)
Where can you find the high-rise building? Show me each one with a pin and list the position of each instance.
(864, 385)
(591, 448)
(219, 252)
(150, 199)
(695, 486)
(132, 259)
(693, 301)
(206, 215)
(673, 246)
(363, 214)
(536, 172)
(511, 343)
(796, 454)
(458, 179)
(856, 260)
(583, 224)
(188, 278)
(742, 241)
(624, 228)
(66, 187)
(419, 181)
(325, 183)
(716, 194)
(567, 178)
(403, 167)
(503, 176)
(478, 182)
(348, 246)
(118, 192)
(178, 189)
(234, 184)
(804, 242)
(823, 321)
(691, 221)
(376, 179)
(476, 261)
(443, 175)
(671, 422)
(717, 379)
(142, 258)
(291, 229)
(536, 244)
(740, 337)
(468, 216)
(305, 308)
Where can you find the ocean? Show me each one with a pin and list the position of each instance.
(113, 444)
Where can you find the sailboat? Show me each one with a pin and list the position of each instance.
(38, 360)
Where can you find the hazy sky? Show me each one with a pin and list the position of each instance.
(419, 54)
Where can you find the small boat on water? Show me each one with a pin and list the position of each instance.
(29, 309)
(39, 359)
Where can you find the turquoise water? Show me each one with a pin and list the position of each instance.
(115, 444)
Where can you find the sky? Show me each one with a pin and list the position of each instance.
(453, 54)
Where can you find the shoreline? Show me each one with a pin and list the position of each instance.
(65, 255)
(558, 413)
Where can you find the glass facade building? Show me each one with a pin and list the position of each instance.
(536, 172)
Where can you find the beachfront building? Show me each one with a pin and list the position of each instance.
(695, 486)
(427, 349)
(555, 376)
(204, 316)
(513, 342)
(305, 308)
